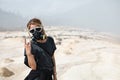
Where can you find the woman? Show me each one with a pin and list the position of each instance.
(39, 53)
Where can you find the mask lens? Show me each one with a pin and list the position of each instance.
(32, 31)
(38, 29)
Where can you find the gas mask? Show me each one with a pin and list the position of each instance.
(38, 33)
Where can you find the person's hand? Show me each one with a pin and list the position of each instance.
(27, 47)
(54, 77)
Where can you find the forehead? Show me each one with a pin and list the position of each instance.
(33, 26)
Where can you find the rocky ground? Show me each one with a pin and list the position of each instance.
(80, 55)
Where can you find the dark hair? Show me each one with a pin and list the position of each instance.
(34, 21)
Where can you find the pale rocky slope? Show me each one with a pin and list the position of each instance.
(80, 55)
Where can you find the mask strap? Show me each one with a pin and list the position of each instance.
(44, 36)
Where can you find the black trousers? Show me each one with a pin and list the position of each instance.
(39, 75)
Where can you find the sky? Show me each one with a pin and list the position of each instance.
(101, 15)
